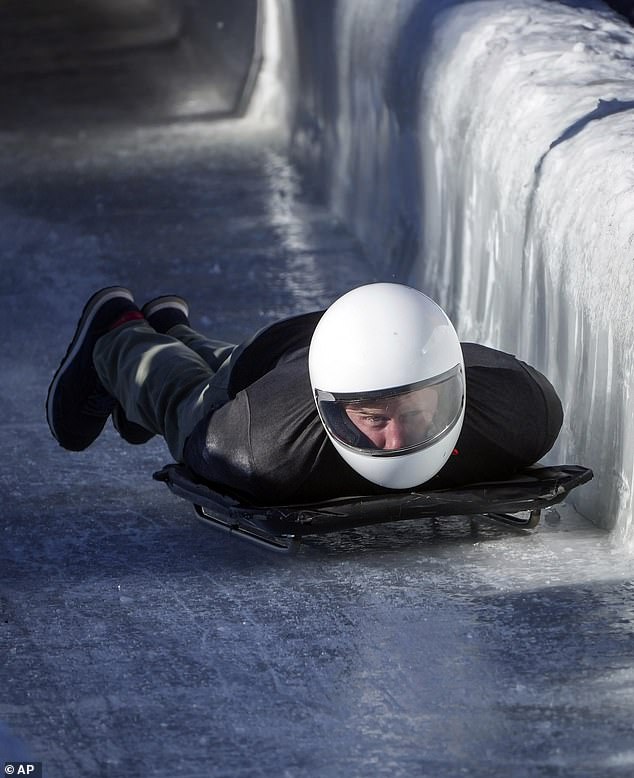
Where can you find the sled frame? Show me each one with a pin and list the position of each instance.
(290, 543)
(516, 503)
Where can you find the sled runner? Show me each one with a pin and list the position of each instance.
(282, 526)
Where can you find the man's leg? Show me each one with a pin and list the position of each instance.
(115, 355)
(169, 315)
(214, 352)
(161, 384)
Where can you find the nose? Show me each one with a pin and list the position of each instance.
(395, 436)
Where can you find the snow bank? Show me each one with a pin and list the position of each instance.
(526, 137)
(484, 152)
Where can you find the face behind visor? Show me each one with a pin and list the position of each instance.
(396, 421)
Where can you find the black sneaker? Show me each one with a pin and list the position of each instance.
(130, 431)
(78, 406)
(165, 312)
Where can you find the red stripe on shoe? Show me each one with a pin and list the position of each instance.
(125, 318)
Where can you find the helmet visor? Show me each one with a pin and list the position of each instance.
(394, 421)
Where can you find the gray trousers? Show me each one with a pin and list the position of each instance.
(165, 383)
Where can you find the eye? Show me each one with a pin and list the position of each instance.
(410, 417)
(374, 420)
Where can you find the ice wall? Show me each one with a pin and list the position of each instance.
(484, 151)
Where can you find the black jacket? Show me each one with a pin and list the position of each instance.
(268, 445)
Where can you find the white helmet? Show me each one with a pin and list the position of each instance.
(387, 372)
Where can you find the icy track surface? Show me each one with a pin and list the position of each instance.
(496, 141)
(135, 639)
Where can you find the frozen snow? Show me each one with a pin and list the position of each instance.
(484, 152)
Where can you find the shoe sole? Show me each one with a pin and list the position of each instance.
(91, 309)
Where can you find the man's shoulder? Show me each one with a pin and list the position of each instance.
(477, 355)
